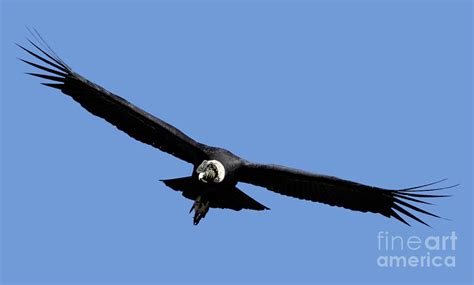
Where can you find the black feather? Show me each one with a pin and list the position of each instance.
(49, 77)
(44, 68)
(43, 59)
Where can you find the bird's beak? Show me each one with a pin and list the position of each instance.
(201, 177)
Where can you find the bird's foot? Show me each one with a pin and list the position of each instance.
(200, 210)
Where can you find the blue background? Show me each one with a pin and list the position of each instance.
(376, 92)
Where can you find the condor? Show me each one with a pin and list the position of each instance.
(216, 171)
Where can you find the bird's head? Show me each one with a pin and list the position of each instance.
(211, 171)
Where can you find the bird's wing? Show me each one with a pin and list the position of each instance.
(234, 199)
(338, 192)
(127, 117)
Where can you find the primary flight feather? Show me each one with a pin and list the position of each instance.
(217, 171)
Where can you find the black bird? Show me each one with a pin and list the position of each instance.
(216, 171)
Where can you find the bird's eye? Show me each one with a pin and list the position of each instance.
(202, 167)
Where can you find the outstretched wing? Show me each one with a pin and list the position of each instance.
(234, 199)
(127, 117)
(338, 192)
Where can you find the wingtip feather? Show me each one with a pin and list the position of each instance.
(45, 76)
(403, 197)
(53, 85)
(398, 217)
(407, 213)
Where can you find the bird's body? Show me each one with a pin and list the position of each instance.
(216, 171)
(213, 184)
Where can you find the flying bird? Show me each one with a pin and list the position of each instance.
(217, 171)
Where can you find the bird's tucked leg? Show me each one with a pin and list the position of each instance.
(200, 209)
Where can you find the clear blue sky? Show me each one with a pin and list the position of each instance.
(379, 93)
